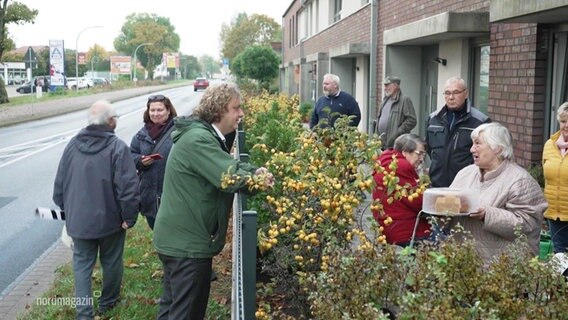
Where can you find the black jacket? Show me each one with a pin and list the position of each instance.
(448, 149)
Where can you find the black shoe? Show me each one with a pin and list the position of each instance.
(213, 276)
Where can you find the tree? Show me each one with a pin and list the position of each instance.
(96, 54)
(190, 67)
(257, 62)
(244, 31)
(17, 13)
(147, 28)
(208, 65)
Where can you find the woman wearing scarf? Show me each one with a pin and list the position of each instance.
(150, 148)
(555, 166)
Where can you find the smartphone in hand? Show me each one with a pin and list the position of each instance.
(155, 156)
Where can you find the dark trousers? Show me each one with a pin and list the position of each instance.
(151, 221)
(559, 235)
(85, 253)
(186, 286)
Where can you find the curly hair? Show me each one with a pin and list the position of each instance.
(167, 103)
(215, 100)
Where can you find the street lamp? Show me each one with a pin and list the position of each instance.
(77, 54)
(135, 50)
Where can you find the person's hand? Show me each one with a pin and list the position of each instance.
(479, 214)
(268, 177)
(146, 161)
(124, 225)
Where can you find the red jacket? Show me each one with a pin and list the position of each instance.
(402, 212)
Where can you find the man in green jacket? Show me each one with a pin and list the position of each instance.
(192, 220)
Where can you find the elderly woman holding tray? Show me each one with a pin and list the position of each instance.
(510, 199)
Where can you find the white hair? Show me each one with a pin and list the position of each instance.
(100, 112)
(562, 110)
(497, 137)
(457, 80)
(333, 77)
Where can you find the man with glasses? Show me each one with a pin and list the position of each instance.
(97, 187)
(396, 115)
(448, 133)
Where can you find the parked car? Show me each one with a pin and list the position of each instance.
(83, 83)
(200, 83)
(100, 82)
(30, 86)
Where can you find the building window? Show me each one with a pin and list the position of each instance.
(480, 85)
(559, 92)
(336, 10)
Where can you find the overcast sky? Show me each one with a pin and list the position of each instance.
(198, 23)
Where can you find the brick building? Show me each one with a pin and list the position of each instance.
(512, 54)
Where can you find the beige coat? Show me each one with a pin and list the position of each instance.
(512, 199)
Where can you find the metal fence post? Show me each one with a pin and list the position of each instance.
(249, 264)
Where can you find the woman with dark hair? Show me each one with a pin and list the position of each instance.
(408, 152)
(150, 148)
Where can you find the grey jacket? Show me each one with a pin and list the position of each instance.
(402, 119)
(96, 184)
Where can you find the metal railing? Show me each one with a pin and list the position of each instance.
(243, 295)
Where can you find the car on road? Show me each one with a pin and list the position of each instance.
(200, 83)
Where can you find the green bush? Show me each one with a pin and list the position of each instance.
(306, 109)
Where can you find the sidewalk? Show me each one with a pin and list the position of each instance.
(36, 280)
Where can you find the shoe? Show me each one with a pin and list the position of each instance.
(213, 276)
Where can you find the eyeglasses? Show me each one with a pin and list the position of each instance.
(116, 116)
(158, 97)
(420, 153)
(453, 93)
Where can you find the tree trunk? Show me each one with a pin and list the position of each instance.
(3, 93)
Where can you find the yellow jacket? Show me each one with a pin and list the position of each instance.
(556, 180)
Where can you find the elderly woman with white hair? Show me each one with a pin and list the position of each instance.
(510, 199)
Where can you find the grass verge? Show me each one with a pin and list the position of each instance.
(141, 284)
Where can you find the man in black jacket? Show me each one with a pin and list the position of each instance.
(448, 135)
(97, 186)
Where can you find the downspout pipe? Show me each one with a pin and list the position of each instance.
(371, 107)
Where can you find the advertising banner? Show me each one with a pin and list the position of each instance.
(57, 63)
(120, 64)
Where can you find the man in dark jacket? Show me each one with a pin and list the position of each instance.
(191, 225)
(396, 115)
(448, 135)
(333, 104)
(97, 187)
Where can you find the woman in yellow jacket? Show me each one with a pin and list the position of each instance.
(555, 165)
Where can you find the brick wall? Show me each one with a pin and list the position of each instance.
(352, 29)
(517, 85)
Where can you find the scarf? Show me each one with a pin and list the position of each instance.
(155, 130)
(562, 145)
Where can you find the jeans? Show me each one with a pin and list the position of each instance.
(559, 235)
(85, 253)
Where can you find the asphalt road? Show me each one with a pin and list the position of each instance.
(29, 154)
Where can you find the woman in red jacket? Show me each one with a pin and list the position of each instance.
(409, 151)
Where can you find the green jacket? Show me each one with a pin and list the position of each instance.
(402, 119)
(194, 212)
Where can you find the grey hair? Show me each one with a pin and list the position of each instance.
(562, 110)
(100, 112)
(497, 137)
(333, 77)
(408, 142)
(457, 80)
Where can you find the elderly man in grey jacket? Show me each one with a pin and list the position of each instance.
(396, 115)
(97, 187)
